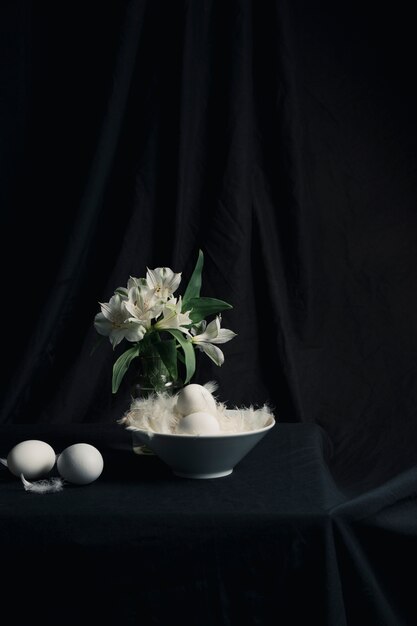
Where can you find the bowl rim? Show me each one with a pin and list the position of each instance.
(152, 434)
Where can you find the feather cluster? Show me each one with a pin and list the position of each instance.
(158, 414)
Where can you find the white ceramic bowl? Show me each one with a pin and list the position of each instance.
(208, 456)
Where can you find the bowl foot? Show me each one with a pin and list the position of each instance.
(210, 475)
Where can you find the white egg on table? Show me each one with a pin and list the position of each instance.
(32, 458)
(80, 464)
(198, 423)
(195, 398)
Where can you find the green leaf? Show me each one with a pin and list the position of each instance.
(168, 352)
(121, 366)
(202, 307)
(194, 285)
(189, 353)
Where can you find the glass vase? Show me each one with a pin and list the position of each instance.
(152, 377)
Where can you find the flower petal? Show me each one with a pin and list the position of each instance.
(112, 308)
(135, 332)
(102, 325)
(212, 329)
(174, 282)
(224, 335)
(213, 352)
(210, 333)
(106, 310)
(116, 336)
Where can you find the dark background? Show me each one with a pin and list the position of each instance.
(278, 137)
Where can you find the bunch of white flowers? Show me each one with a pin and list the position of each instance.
(147, 314)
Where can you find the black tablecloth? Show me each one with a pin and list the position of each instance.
(276, 542)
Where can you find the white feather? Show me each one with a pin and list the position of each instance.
(211, 386)
(51, 485)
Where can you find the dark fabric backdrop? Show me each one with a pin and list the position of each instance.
(279, 137)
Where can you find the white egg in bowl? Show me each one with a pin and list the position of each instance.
(198, 423)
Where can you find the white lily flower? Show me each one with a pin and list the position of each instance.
(163, 281)
(114, 322)
(172, 318)
(143, 303)
(212, 334)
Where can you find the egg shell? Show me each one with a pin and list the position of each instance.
(32, 458)
(199, 423)
(195, 398)
(80, 464)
